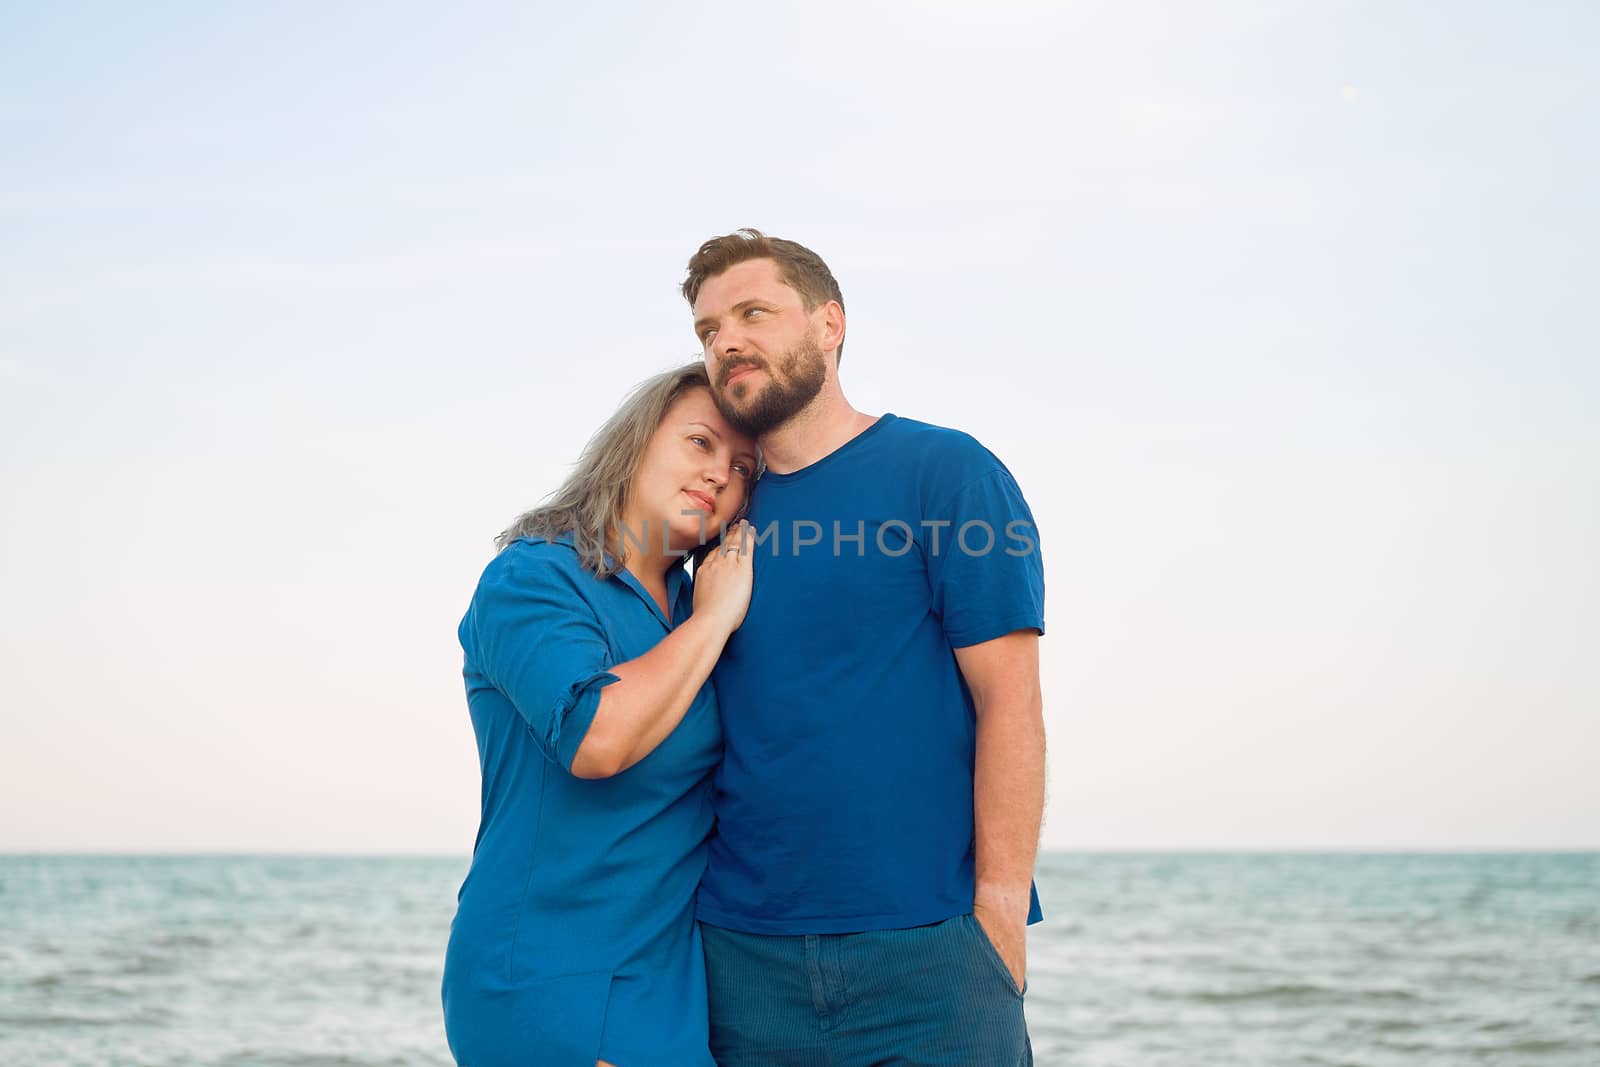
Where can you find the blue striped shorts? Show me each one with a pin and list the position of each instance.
(928, 996)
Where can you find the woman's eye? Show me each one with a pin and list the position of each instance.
(701, 441)
(744, 472)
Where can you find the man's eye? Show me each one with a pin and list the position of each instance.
(752, 311)
(706, 336)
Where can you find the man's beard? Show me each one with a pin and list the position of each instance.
(789, 390)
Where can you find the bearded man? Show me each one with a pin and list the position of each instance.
(870, 884)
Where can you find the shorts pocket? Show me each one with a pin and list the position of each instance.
(988, 951)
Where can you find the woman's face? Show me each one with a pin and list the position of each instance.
(694, 476)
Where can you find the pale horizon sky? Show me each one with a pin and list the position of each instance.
(1279, 315)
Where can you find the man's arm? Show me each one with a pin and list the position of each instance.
(1008, 785)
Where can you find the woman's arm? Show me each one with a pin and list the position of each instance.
(653, 692)
(649, 698)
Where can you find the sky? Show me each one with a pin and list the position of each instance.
(1281, 314)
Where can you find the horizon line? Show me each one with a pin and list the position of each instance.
(1297, 850)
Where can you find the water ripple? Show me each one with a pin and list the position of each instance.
(1159, 961)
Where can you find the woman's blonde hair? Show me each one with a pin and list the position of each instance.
(589, 503)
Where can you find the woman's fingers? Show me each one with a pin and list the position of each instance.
(723, 580)
(740, 535)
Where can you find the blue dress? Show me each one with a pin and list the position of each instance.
(574, 937)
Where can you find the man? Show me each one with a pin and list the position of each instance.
(870, 885)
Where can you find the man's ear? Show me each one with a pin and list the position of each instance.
(832, 326)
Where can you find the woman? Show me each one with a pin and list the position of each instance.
(574, 940)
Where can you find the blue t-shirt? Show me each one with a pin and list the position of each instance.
(844, 799)
(574, 937)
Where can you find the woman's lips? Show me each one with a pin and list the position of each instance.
(704, 502)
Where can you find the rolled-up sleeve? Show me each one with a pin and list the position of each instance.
(532, 636)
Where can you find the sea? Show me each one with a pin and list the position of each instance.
(1144, 960)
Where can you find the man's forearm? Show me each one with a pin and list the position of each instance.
(1008, 798)
(1007, 786)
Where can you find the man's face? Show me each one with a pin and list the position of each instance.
(760, 346)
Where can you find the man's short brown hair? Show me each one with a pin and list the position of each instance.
(800, 268)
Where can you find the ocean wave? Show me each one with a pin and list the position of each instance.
(145, 1016)
(1287, 991)
(1534, 1045)
(180, 941)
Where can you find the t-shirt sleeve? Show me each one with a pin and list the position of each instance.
(539, 643)
(987, 575)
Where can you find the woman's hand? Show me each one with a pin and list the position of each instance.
(653, 691)
(722, 581)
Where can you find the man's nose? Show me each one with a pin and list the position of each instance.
(727, 343)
